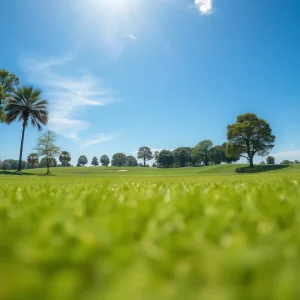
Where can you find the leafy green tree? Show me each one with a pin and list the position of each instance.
(166, 158)
(262, 163)
(26, 105)
(95, 162)
(249, 136)
(270, 160)
(65, 158)
(202, 152)
(182, 156)
(217, 155)
(104, 159)
(296, 162)
(8, 83)
(119, 160)
(229, 159)
(46, 147)
(33, 160)
(52, 162)
(145, 154)
(131, 161)
(82, 160)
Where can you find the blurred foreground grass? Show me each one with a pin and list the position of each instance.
(181, 238)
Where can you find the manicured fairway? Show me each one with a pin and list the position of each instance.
(192, 233)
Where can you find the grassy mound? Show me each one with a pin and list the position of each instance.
(261, 168)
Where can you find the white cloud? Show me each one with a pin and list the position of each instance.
(99, 138)
(67, 94)
(131, 36)
(155, 149)
(68, 127)
(204, 6)
(290, 155)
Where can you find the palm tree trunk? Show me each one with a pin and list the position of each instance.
(21, 148)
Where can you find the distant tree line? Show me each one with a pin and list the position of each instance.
(12, 164)
(248, 137)
(271, 161)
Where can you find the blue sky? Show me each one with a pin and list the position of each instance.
(120, 74)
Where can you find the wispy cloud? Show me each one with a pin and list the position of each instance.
(131, 36)
(290, 155)
(67, 94)
(158, 150)
(100, 138)
(204, 6)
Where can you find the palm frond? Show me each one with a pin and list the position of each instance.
(27, 105)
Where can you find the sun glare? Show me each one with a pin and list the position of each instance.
(114, 6)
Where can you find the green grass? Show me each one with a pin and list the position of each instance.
(114, 172)
(193, 233)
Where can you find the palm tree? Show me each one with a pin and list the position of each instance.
(26, 105)
(65, 158)
(33, 160)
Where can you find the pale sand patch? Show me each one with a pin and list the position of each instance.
(122, 170)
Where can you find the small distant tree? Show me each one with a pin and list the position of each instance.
(262, 163)
(65, 158)
(166, 158)
(82, 160)
(202, 152)
(33, 160)
(46, 147)
(182, 156)
(43, 163)
(249, 136)
(270, 160)
(95, 162)
(217, 155)
(286, 162)
(104, 159)
(78, 165)
(131, 161)
(145, 154)
(296, 162)
(154, 165)
(229, 159)
(119, 160)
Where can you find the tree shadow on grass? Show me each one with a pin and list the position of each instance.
(259, 169)
(11, 173)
